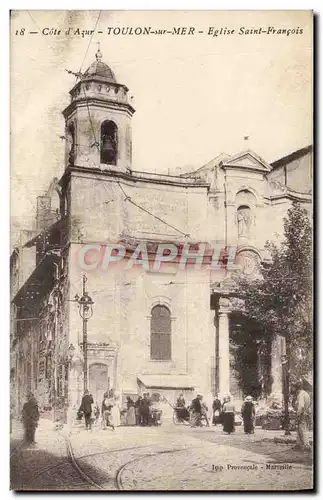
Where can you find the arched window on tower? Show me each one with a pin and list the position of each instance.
(109, 143)
(71, 143)
(160, 334)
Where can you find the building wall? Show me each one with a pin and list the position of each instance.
(100, 213)
(123, 303)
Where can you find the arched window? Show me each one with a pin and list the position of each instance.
(109, 143)
(245, 197)
(244, 219)
(160, 333)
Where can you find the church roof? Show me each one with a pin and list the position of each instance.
(292, 156)
(99, 69)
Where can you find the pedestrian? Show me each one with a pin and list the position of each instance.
(303, 406)
(115, 418)
(86, 408)
(248, 413)
(30, 417)
(145, 410)
(216, 407)
(196, 411)
(204, 413)
(228, 412)
(131, 414)
(137, 410)
(106, 411)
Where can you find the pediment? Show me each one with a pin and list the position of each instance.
(247, 160)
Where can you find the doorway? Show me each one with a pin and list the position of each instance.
(99, 381)
(250, 360)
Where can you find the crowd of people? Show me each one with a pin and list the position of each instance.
(140, 412)
(224, 413)
(144, 412)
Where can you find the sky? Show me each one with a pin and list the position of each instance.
(195, 95)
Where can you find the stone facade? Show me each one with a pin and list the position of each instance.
(233, 204)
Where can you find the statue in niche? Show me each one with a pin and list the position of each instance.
(244, 218)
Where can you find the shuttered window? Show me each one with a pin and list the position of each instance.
(160, 333)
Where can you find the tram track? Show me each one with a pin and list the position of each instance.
(118, 477)
(73, 473)
(118, 473)
(47, 474)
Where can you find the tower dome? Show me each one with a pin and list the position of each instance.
(99, 70)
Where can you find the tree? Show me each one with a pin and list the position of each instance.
(279, 297)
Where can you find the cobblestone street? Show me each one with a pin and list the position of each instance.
(166, 458)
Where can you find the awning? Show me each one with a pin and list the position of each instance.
(166, 381)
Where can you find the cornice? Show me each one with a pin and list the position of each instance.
(100, 103)
(132, 178)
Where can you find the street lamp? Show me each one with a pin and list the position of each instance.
(85, 304)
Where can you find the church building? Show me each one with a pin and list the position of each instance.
(162, 329)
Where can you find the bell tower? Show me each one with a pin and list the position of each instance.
(98, 121)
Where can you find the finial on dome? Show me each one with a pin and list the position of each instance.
(98, 55)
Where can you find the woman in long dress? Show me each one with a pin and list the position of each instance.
(106, 408)
(115, 412)
(248, 413)
(228, 412)
(131, 415)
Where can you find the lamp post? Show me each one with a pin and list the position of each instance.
(85, 304)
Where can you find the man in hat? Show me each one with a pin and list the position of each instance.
(303, 406)
(196, 411)
(86, 407)
(145, 410)
(248, 413)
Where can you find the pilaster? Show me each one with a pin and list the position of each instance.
(224, 354)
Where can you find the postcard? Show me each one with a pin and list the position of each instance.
(161, 250)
